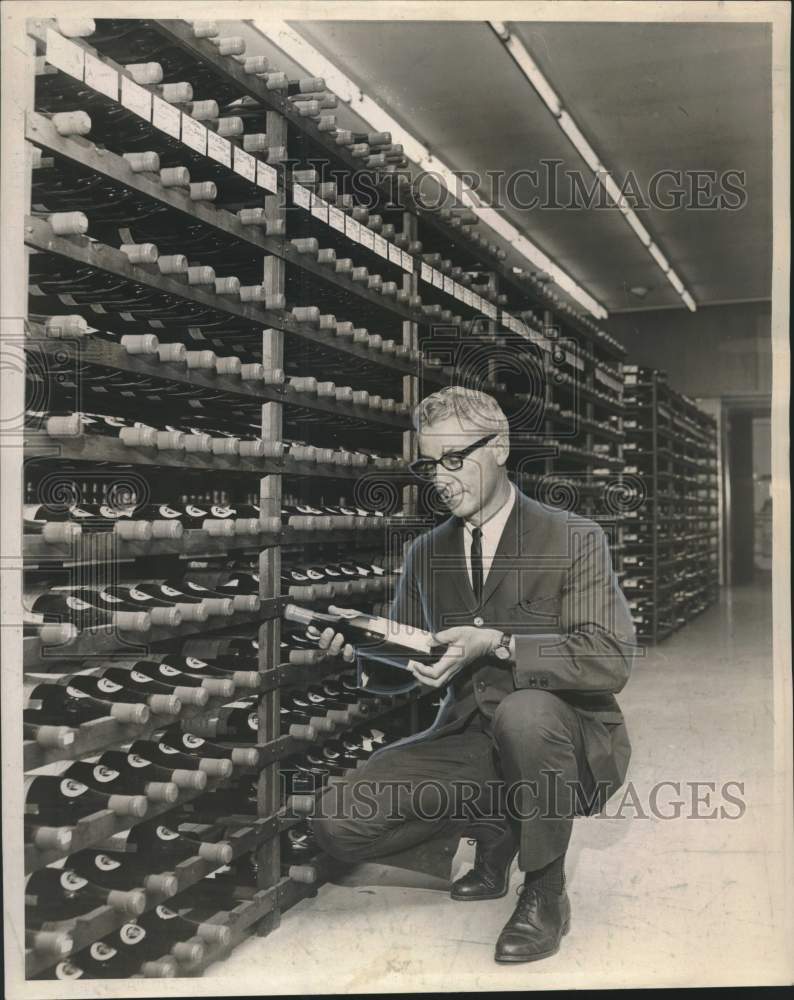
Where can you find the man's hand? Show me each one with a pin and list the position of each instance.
(334, 643)
(466, 644)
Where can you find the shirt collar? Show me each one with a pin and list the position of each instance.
(499, 518)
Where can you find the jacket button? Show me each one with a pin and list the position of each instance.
(479, 622)
(480, 685)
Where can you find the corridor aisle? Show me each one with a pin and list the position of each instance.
(679, 897)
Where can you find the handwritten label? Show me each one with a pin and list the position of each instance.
(449, 285)
(266, 176)
(245, 165)
(352, 229)
(367, 238)
(336, 218)
(101, 77)
(320, 209)
(64, 55)
(395, 254)
(301, 196)
(164, 115)
(438, 279)
(381, 245)
(194, 134)
(219, 149)
(427, 273)
(408, 262)
(138, 100)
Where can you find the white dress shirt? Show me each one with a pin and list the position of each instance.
(491, 535)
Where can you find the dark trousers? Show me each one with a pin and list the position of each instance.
(527, 763)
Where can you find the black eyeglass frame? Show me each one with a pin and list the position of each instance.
(456, 457)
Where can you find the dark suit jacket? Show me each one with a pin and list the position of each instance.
(552, 585)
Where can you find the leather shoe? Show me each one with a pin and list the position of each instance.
(490, 876)
(536, 927)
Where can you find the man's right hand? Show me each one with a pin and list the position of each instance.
(333, 643)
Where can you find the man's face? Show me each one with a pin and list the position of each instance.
(468, 489)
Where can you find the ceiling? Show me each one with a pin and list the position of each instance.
(648, 97)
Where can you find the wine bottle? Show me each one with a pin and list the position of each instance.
(213, 669)
(101, 961)
(155, 839)
(57, 607)
(126, 762)
(48, 838)
(55, 944)
(148, 598)
(59, 704)
(182, 592)
(147, 680)
(170, 925)
(53, 894)
(52, 525)
(116, 600)
(374, 638)
(119, 870)
(162, 753)
(242, 592)
(110, 781)
(188, 742)
(173, 676)
(54, 800)
(104, 688)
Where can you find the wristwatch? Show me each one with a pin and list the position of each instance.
(502, 648)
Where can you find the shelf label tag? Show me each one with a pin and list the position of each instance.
(408, 262)
(395, 255)
(367, 237)
(381, 245)
(438, 279)
(301, 196)
(101, 77)
(244, 164)
(166, 117)
(449, 285)
(219, 149)
(194, 134)
(352, 229)
(64, 55)
(266, 176)
(427, 273)
(138, 100)
(336, 218)
(320, 209)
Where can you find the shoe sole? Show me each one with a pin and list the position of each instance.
(536, 958)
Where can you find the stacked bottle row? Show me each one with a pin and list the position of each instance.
(671, 556)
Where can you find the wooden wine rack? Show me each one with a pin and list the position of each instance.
(576, 441)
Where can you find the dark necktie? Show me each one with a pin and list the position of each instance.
(476, 562)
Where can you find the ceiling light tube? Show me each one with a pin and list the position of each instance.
(675, 281)
(583, 147)
(689, 302)
(642, 233)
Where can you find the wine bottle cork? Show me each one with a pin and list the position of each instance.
(205, 29)
(326, 123)
(166, 618)
(376, 160)
(389, 289)
(252, 293)
(307, 315)
(216, 767)
(327, 257)
(140, 343)
(200, 359)
(246, 604)
(218, 528)
(55, 737)
(253, 372)
(138, 437)
(169, 440)
(200, 275)
(52, 838)
(254, 448)
(344, 265)
(131, 901)
(203, 191)
(344, 394)
(196, 697)
(361, 335)
(252, 217)
(144, 74)
(176, 93)
(228, 366)
(375, 342)
(360, 397)
(306, 245)
(175, 177)
(68, 426)
(326, 390)
(54, 943)
(65, 326)
(188, 952)
(305, 383)
(360, 275)
(165, 704)
(359, 150)
(163, 884)
(229, 45)
(68, 223)
(255, 64)
(140, 253)
(375, 283)
(225, 446)
(199, 444)
(162, 791)
(194, 781)
(172, 353)
(227, 286)
(133, 531)
(162, 968)
(71, 123)
(203, 110)
(141, 163)
(345, 330)
(75, 27)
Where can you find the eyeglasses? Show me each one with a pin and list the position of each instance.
(425, 468)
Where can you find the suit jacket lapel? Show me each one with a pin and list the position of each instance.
(452, 572)
(509, 548)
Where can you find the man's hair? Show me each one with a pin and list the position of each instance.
(469, 405)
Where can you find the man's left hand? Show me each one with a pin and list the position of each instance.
(466, 644)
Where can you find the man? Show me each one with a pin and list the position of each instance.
(539, 640)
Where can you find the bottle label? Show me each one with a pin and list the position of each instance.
(138, 677)
(109, 598)
(253, 721)
(106, 864)
(110, 512)
(76, 604)
(135, 760)
(312, 574)
(75, 692)
(299, 576)
(164, 748)
(164, 913)
(101, 952)
(191, 741)
(72, 882)
(165, 511)
(195, 663)
(71, 789)
(132, 934)
(118, 422)
(169, 591)
(166, 833)
(195, 511)
(67, 970)
(330, 571)
(167, 671)
(107, 686)
(103, 774)
(222, 511)
(316, 698)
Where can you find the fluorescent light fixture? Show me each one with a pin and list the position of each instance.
(659, 257)
(675, 281)
(531, 71)
(297, 48)
(689, 302)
